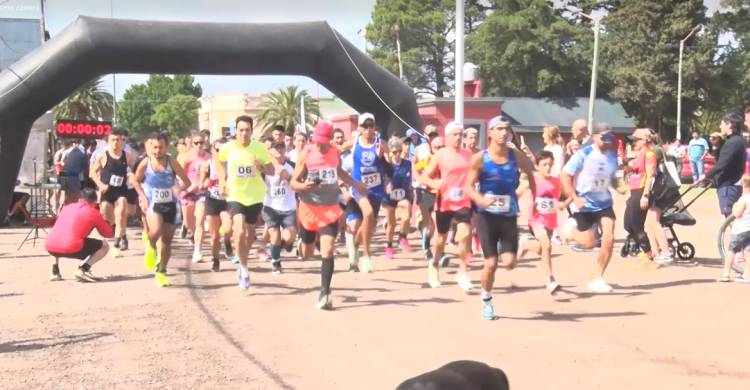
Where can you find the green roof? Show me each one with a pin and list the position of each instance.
(540, 112)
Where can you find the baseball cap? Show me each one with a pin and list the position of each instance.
(452, 126)
(411, 132)
(438, 142)
(430, 129)
(364, 117)
(643, 134)
(498, 121)
(602, 127)
(322, 133)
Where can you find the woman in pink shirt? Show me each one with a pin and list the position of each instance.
(543, 215)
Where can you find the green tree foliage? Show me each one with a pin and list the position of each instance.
(282, 108)
(178, 115)
(423, 27)
(138, 106)
(527, 48)
(90, 102)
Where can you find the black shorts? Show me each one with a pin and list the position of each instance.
(443, 219)
(114, 193)
(279, 219)
(497, 229)
(251, 213)
(90, 246)
(132, 196)
(394, 203)
(425, 198)
(214, 207)
(308, 236)
(169, 212)
(586, 220)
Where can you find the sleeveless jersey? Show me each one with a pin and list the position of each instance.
(159, 185)
(499, 182)
(115, 171)
(454, 169)
(401, 180)
(193, 167)
(322, 167)
(368, 168)
(214, 192)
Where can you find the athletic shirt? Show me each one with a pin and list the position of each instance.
(244, 183)
(114, 173)
(637, 178)
(547, 196)
(214, 192)
(499, 182)
(278, 194)
(368, 168)
(193, 167)
(594, 171)
(401, 180)
(454, 167)
(159, 185)
(323, 167)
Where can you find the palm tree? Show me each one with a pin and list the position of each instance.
(90, 102)
(282, 108)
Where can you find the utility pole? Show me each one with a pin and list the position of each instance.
(459, 65)
(396, 28)
(594, 65)
(114, 78)
(42, 22)
(678, 135)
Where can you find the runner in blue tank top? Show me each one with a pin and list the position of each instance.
(367, 168)
(586, 178)
(399, 197)
(496, 170)
(154, 180)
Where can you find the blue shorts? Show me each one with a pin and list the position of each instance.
(353, 212)
(728, 196)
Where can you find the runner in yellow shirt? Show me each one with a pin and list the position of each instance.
(242, 184)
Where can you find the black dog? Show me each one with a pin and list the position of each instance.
(459, 375)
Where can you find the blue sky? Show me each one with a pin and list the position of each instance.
(346, 16)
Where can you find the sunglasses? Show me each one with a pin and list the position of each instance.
(198, 143)
(607, 138)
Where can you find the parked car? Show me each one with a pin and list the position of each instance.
(686, 176)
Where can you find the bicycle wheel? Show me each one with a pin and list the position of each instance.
(725, 234)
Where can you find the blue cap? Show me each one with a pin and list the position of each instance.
(497, 121)
(411, 132)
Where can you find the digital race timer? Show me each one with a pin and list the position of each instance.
(71, 128)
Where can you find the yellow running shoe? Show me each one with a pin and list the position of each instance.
(149, 259)
(161, 279)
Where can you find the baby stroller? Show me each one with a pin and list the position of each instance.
(676, 214)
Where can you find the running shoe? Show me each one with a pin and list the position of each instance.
(664, 259)
(115, 253)
(444, 261)
(215, 267)
(91, 276)
(366, 265)
(552, 286)
(55, 277)
(405, 247)
(161, 279)
(325, 303)
(235, 259)
(243, 278)
(124, 243)
(464, 283)
(488, 312)
(197, 256)
(599, 285)
(82, 277)
(228, 248)
(149, 259)
(277, 267)
(389, 253)
(433, 276)
(353, 267)
(117, 243)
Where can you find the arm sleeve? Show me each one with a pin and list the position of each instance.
(729, 149)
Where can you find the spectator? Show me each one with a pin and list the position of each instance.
(74, 163)
(730, 165)
(715, 143)
(571, 148)
(551, 136)
(413, 139)
(300, 140)
(69, 236)
(697, 150)
(677, 154)
(580, 132)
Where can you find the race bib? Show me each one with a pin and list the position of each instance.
(398, 194)
(325, 175)
(245, 172)
(545, 205)
(215, 193)
(371, 179)
(159, 195)
(500, 204)
(116, 181)
(599, 184)
(456, 194)
(278, 191)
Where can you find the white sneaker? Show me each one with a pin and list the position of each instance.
(464, 283)
(552, 287)
(364, 265)
(664, 259)
(599, 285)
(197, 256)
(433, 277)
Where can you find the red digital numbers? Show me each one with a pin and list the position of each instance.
(67, 128)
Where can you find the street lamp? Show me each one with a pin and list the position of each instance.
(678, 135)
(396, 29)
(594, 64)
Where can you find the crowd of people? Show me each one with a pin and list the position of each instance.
(315, 192)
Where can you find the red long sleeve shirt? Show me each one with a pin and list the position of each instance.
(74, 224)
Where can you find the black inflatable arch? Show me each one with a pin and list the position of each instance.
(91, 47)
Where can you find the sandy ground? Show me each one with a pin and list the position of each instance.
(672, 328)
